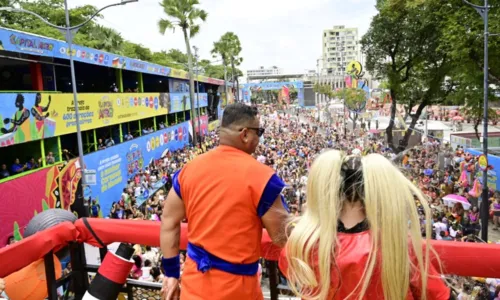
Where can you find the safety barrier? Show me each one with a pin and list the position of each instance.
(463, 259)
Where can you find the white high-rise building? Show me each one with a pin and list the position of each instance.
(340, 46)
(265, 71)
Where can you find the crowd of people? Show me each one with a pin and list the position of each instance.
(291, 142)
(132, 203)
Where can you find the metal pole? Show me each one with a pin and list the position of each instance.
(197, 88)
(317, 95)
(343, 87)
(225, 80)
(69, 40)
(485, 204)
(426, 124)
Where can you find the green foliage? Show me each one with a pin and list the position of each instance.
(228, 47)
(184, 14)
(17, 233)
(91, 35)
(404, 46)
(354, 98)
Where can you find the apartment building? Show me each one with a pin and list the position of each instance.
(340, 46)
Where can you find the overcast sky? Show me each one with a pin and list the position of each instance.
(283, 33)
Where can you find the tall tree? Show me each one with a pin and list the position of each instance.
(229, 48)
(409, 58)
(354, 99)
(106, 39)
(184, 14)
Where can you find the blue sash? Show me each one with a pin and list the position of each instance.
(206, 261)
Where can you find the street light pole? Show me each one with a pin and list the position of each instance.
(483, 11)
(343, 87)
(69, 40)
(69, 32)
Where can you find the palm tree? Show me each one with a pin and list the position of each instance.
(229, 48)
(184, 14)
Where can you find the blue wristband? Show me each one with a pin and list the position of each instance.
(172, 266)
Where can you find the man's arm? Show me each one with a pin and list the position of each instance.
(173, 213)
(275, 221)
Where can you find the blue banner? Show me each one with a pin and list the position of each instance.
(248, 88)
(274, 85)
(116, 165)
(16, 41)
(181, 101)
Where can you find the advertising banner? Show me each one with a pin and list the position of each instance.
(181, 101)
(32, 116)
(213, 125)
(117, 164)
(203, 124)
(21, 42)
(249, 88)
(22, 198)
(16, 41)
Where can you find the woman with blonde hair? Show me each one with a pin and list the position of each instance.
(360, 236)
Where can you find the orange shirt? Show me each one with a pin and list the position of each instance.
(221, 191)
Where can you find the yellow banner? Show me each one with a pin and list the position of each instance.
(99, 110)
(32, 116)
(213, 125)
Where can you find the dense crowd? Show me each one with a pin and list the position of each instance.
(291, 141)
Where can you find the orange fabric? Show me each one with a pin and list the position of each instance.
(216, 284)
(354, 249)
(221, 191)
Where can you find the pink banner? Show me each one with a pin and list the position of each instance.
(25, 196)
(203, 124)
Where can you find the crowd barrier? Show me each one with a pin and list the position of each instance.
(463, 259)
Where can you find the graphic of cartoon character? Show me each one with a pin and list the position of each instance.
(184, 100)
(37, 112)
(165, 100)
(20, 123)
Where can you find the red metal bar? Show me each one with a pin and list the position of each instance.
(464, 259)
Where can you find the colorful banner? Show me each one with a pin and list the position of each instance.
(116, 165)
(26, 196)
(249, 88)
(21, 42)
(273, 85)
(181, 101)
(203, 124)
(33, 116)
(213, 125)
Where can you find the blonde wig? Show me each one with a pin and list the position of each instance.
(389, 202)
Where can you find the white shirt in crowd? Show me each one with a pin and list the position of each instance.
(492, 283)
(438, 227)
(137, 191)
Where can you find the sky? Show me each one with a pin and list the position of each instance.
(283, 33)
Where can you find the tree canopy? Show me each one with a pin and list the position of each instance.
(433, 57)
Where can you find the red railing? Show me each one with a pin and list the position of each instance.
(463, 259)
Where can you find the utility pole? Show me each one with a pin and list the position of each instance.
(197, 88)
(343, 86)
(483, 11)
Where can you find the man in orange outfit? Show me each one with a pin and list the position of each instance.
(227, 196)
